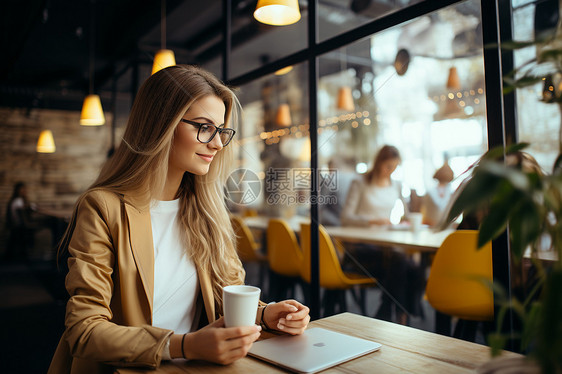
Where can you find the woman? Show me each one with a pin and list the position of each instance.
(150, 243)
(370, 201)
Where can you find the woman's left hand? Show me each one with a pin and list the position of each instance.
(288, 316)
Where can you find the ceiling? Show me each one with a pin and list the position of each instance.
(47, 56)
(46, 44)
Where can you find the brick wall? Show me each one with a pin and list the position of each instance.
(53, 180)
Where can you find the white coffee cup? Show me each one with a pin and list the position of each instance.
(240, 305)
(415, 221)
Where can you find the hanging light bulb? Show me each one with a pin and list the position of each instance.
(46, 142)
(283, 116)
(92, 112)
(164, 57)
(277, 12)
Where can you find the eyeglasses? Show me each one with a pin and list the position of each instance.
(207, 132)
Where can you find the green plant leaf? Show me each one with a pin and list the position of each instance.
(531, 325)
(475, 193)
(497, 153)
(526, 81)
(496, 341)
(515, 177)
(495, 221)
(557, 168)
(549, 349)
(513, 44)
(524, 227)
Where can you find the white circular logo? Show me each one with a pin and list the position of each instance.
(243, 186)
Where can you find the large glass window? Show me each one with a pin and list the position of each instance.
(538, 119)
(418, 87)
(338, 16)
(255, 44)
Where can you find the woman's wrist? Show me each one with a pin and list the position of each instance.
(179, 346)
(263, 324)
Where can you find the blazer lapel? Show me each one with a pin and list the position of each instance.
(140, 239)
(207, 293)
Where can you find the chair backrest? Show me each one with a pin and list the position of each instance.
(331, 274)
(245, 243)
(283, 251)
(460, 278)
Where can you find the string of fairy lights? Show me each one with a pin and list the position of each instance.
(358, 118)
(298, 131)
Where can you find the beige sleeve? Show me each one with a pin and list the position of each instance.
(89, 330)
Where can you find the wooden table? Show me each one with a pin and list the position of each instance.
(404, 349)
(425, 240)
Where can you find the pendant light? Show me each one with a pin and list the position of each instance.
(284, 70)
(277, 12)
(164, 57)
(345, 98)
(452, 108)
(283, 116)
(46, 142)
(92, 112)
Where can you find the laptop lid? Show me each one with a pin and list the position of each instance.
(316, 349)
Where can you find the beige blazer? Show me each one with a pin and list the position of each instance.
(110, 282)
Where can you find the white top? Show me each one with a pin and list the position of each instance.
(17, 218)
(176, 284)
(367, 202)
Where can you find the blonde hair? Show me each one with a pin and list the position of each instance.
(140, 165)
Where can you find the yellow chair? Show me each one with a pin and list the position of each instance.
(332, 277)
(284, 256)
(250, 213)
(460, 278)
(247, 248)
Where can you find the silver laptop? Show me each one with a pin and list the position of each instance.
(316, 349)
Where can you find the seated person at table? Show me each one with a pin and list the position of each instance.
(370, 199)
(19, 222)
(436, 199)
(370, 202)
(150, 243)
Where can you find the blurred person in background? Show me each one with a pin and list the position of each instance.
(370, 201)
(436, 199)
(19, 223)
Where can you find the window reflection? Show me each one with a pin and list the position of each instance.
(418, 86)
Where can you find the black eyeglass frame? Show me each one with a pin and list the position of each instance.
(217, 129)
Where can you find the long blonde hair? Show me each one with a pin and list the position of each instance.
(140, 165)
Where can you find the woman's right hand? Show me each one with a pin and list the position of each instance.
(219, 344)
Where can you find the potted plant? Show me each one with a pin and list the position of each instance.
(529, 203)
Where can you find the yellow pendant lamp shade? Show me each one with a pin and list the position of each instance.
(345, 99)
(163, 59)
(92, 112)
(453, 82)
(46, 142)
(277, 12)
(283, 116)
(284, 70)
